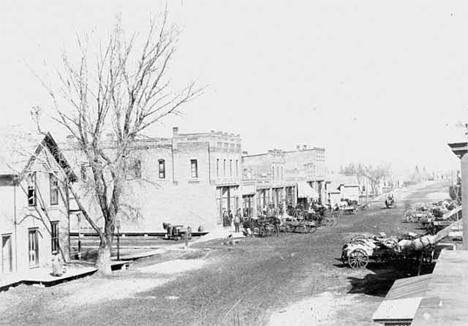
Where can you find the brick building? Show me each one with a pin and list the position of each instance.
(265, 182)
(307, 167)
(187, 179)
(34, 206)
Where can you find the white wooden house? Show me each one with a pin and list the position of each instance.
(33, 201)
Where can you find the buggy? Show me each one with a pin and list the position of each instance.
(176, 232)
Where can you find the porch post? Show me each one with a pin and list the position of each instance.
(461, 150)
(464, 186)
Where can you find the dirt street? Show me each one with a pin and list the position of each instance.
(293, 279)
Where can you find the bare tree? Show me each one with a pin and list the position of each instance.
(374, 174)
(122, 91)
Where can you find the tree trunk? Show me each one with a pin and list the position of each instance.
(103, 261)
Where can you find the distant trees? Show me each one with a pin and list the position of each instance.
(374, 174)
(120, 91)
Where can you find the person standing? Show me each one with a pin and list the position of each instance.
(237, 220)
(225, 218)
(231, 217)
(57, 265)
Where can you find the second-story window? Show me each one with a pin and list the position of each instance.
(162, 169)
(84, 170)
(194, 169)
(217, 167)
(282, 175)
(224, 168)
(54, 189)
(273, 173)
(230, 168)
(137, 169)
(133, 169)
(237, 168)
(31, 180)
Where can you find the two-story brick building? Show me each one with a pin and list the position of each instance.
(34, 219)
(307, 167)
(265, 182)
(190, 179)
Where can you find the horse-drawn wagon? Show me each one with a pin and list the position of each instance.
(380, 248)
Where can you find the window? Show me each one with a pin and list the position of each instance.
(31, 180)
(273, 173)
(133, 170)
(54, 189)
(194, 168)
(282, 175)
(83, 170)
(230, 168)
(33, 248)
(137, 169)
(224, 168)
(237, 168)
(54, 232)
(217, 167)
(162, 169)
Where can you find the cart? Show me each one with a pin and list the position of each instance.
(379, 248)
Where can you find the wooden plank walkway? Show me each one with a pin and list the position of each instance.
(44, 277)
(446, 298)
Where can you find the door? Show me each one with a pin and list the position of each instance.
(7, 262)
(33, 248)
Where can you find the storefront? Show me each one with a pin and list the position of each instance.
(227, 200)
(248, 201)
(263, 199)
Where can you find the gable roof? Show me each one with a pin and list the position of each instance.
(19, 148)
(338, 180)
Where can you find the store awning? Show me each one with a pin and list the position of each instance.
(248, 190)
(304, 190)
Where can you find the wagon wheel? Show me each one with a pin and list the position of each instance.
(300, 229)
(358, 258)
(330, 221)
(262, 232)
(312, 228)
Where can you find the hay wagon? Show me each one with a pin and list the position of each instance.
(379, 248)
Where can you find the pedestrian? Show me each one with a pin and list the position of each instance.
(231, 217)
(57, 266)
(237, 220)
(225, 218)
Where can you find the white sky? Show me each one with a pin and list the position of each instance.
(371, 81)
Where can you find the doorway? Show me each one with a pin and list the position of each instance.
(33, 248)
(7, 257)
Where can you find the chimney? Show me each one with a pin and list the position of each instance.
(175, 131)
(304, 147)
(298, 147)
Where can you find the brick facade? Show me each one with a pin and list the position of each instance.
(179, 182)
